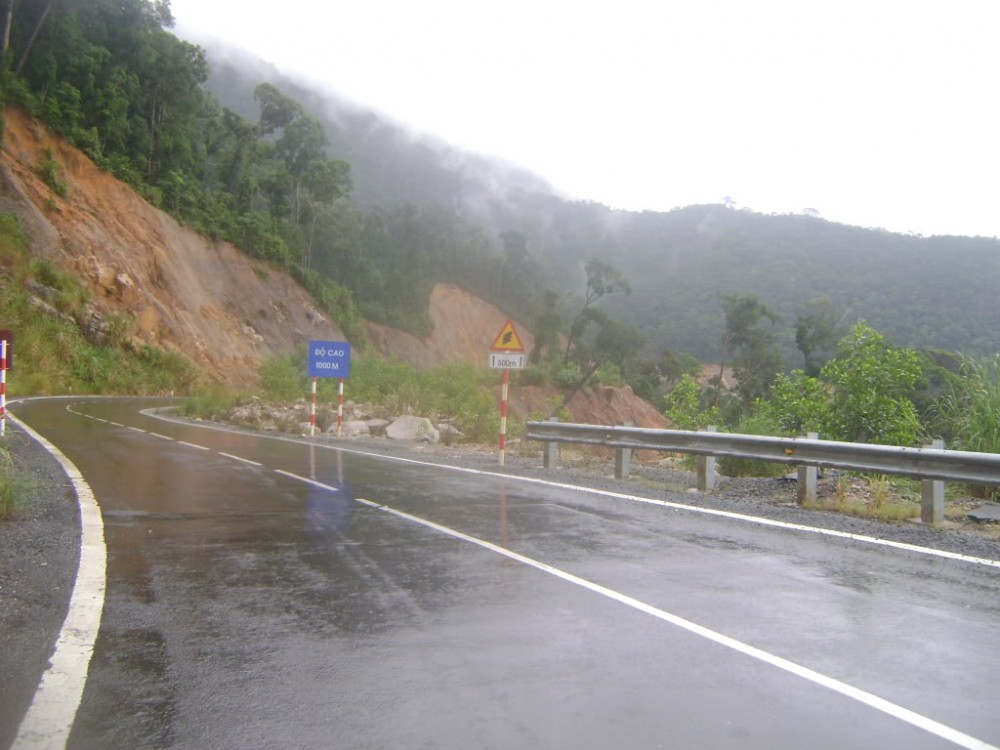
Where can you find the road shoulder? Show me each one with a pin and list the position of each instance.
(39, 554)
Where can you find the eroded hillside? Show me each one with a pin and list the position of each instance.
(206, 300)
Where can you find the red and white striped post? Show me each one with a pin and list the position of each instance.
(504, 387)
(340, 408)
(3, 386)
(312, 410)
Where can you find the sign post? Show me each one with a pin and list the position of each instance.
(329, 359)
(506, 353)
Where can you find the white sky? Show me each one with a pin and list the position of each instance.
(881, 113)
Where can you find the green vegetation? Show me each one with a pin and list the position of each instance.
(48, 170)
(13, 484)
(53, 356)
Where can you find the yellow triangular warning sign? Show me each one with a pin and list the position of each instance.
(507, 340)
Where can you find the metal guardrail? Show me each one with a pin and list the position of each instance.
(923, 463)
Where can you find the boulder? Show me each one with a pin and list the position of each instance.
(352, 428)
(450, 433)
(376, 427)
(412, 429)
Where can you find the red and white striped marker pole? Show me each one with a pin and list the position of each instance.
(504, 386)
(340, 408)
(312, 410)
(3, 386)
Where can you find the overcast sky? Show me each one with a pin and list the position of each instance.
(882, 113)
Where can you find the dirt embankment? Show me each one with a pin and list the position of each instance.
(183, 292)
(210, 302)
(463, 328)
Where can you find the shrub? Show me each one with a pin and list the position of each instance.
(48, 170)
(13, 486)
(686, 406)
(758, 424)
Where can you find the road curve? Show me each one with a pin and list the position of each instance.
(264, 591)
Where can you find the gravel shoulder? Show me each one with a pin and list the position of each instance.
(39, 553)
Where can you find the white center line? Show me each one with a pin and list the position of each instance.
(237, 458)
(193, 445)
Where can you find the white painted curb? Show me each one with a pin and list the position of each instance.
(50, 717)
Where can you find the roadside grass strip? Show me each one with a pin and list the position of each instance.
(50, 717)
(871, 700)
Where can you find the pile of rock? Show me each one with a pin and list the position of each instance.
(358, 422)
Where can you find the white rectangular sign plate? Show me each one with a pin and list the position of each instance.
(508, 360)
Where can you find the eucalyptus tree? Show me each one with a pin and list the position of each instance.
(602, 280)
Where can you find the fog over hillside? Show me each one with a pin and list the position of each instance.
(921, 291)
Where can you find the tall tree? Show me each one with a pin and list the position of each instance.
(602, 279)
(817, 331)
(750, 345)
(612, 341)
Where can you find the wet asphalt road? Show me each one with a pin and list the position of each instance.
(249, 608)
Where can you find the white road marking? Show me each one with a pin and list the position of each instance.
(237, 458)
(638, 499)
(694, 509)
(50, 717)
(306, 480)
(135, 429)
(116, 424)
(162, 437)
(193, 445)
(862, 696)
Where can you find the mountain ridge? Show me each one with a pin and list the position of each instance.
(922, 292)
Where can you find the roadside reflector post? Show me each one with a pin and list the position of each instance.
(550, 457)
(623, 459)
(932, 494)
(706, 469)
(805, 489)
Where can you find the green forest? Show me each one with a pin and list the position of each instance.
(814, 317)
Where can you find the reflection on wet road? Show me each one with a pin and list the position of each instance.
(272, 593)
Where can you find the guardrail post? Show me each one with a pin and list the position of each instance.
(706, 469)
(623, 459)
(932, 495)
(550, 456)
(806, 486)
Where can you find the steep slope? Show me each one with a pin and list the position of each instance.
(463, 328)
(207, 300)
(203, 299)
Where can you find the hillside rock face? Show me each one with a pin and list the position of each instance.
(463, 329)
(208, 301)
(203, 299)
(604, 406)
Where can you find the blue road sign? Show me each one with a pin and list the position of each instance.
(329, 359)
